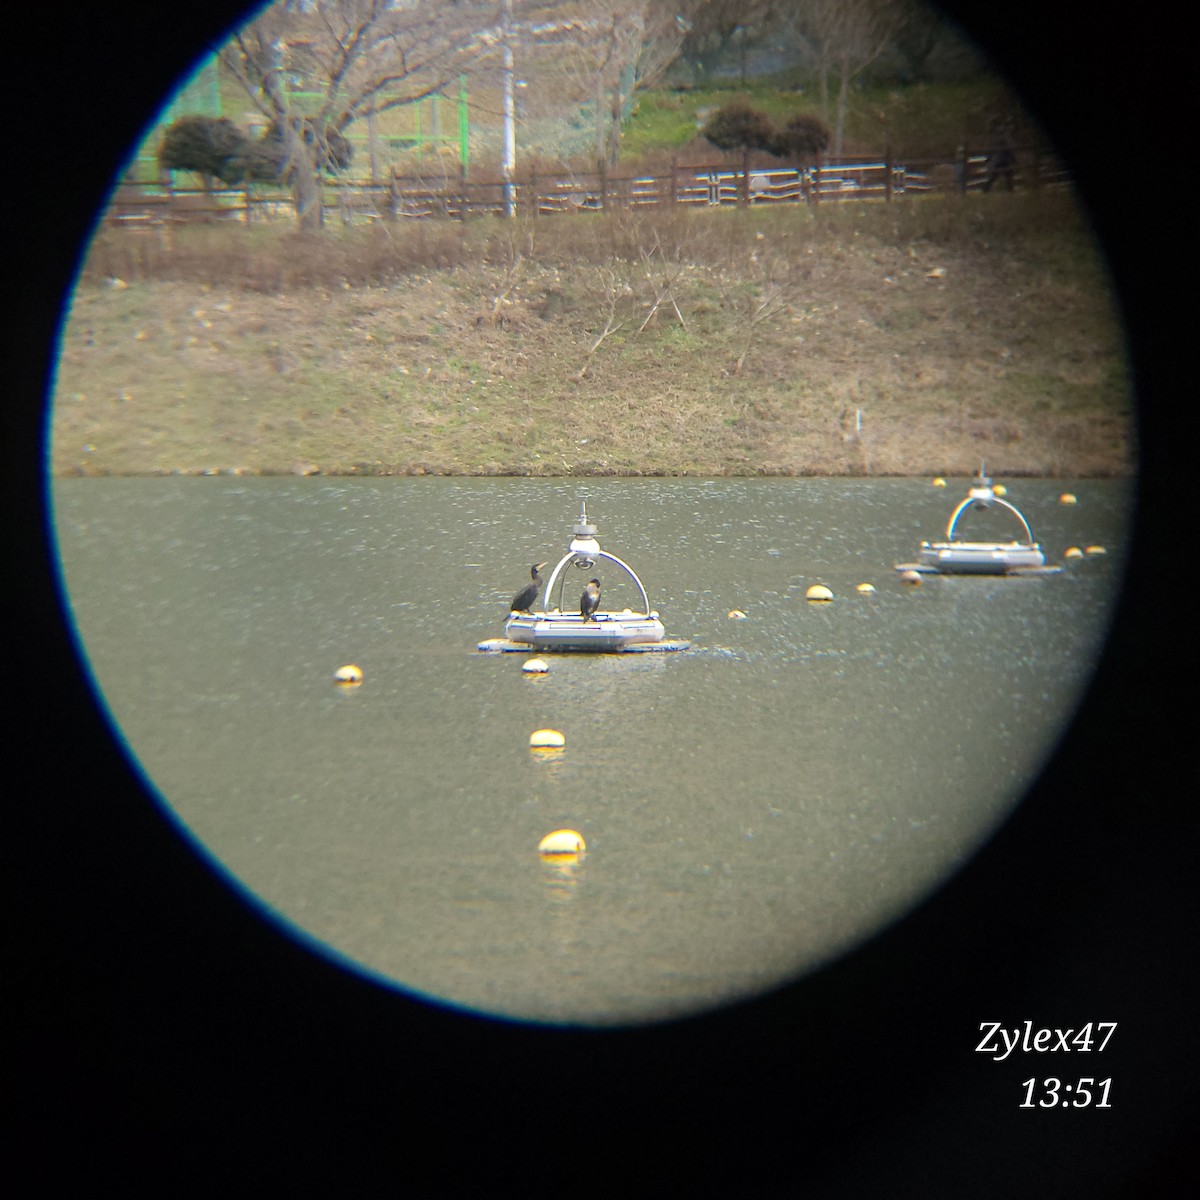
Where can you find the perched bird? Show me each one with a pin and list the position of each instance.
(590, 600)
(524, 599)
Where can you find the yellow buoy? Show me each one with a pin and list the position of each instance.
(349, 674)
(562, 843)
(1095, 550)
(546, 739)
(939, 482)
(865, 588)
(1066, 498)
(818, 591)
(911, 577)
(999, 490)
(1072, 552)
(737, 615)
(535, 666)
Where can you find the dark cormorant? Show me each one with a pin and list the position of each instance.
(590, 600)
(523, 600)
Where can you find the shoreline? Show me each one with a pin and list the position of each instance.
(1128, 474)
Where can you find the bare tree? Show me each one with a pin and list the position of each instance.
(846, 37)
(617, 40)
(361, 58)
(619, 48)
(660, 31)
(715, 28)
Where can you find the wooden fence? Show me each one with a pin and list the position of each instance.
(401, 197)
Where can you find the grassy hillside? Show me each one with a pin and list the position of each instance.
(912, 338)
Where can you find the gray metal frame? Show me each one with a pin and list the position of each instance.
(585, 561)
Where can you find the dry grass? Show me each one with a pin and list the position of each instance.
(710, 343)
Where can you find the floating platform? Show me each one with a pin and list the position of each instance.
(604, 631)
(504, 646)
(922, 568)
(955, 556)
(569, 631)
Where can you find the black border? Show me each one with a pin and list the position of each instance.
(162, 1026)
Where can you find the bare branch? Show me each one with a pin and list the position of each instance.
(661, 278)
(778, 292)
(616, 289)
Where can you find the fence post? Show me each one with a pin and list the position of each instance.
(603, 184)
(962, 166)
(533, 196)
(887, 174)
(674, 182)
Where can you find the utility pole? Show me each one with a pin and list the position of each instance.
(505, 34)
(508, 160)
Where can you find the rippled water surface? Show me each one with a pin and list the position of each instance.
(751, 806)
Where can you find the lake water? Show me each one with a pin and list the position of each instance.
(752, 806)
